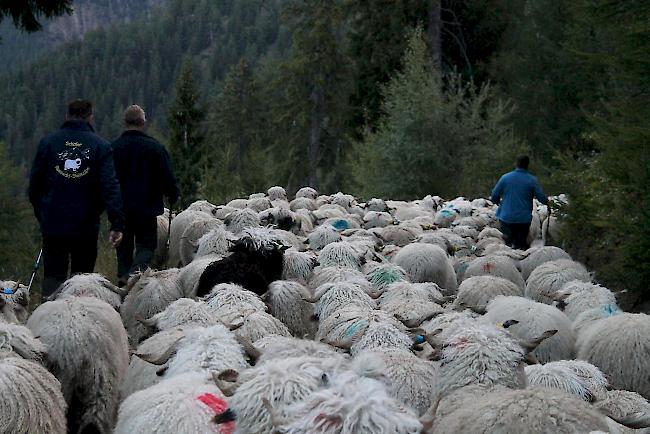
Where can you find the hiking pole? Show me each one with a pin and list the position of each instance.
(35, 270)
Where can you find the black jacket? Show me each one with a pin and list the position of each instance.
(73, 180)
(145, 174)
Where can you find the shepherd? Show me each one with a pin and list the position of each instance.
(514, 194)
(145, 173)
(71, 182)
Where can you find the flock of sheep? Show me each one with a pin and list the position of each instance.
(324, 315)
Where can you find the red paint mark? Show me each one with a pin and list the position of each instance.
(487, 267)
(461, 342)
(218, 406)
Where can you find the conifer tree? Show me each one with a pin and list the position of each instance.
(186, 140)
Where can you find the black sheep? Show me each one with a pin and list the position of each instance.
(255, 262)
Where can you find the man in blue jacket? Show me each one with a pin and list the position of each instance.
(72, 181)
(514, 194)
(145, 174)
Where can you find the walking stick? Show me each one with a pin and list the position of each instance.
(35, 270)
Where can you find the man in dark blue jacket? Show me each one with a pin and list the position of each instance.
(145, 174)
(514, 194)
(72, 181)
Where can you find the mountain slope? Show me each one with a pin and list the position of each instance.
(135, 63)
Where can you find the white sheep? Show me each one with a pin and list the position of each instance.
(87, 350)
(178, 226)
(297, 265)
(547, 279)
(538, 256)
(476, 292)
(322, 236)
(91, 285)
(427, 263)
(495, 265)
(575, 377)
(287, 303)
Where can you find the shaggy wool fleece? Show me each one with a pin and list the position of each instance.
(427, 263)
(547, 279)
(619, 346)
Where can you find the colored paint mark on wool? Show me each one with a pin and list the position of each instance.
(220, 408)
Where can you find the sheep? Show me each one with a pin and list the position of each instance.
(283, 347)
(280, 381)
(399, 291)
(179, 223)
(376, 219)
(17, 341)
(162, 232)
(533, 319)
(307, 192)
(483, 243)
(409, 213)
(182, 404)
(382, 275)
(589, 317)
(539, 256)
(351, 404)
(228, 301)
(238, 203)
(223, 211)
(377, 205)
(215, 242)
(150, 292)
(302, 203)
(627, 408)
(409, 379)
(324, 275)
(531, 410)
(580, 296)
(256, 261)
(238, 221)
(14, 302)
(87, 350)
(476, 292)
(575, 377)
(141, 374)
(427, 263)
(329, 297)
(189, 241)
(445, 217)
(548, 278)
(322, 236)
(91, 285)
(31, 397)
(465, 231)
(279, 218)
(398, 235)
(489, 233)
(276, 192)
(258, 204)
(203, 206)
(618, 346)
(343, 223)
(258, 324)
(495, 265)
(298, 266)
(286, 302)
(412, 312)
(199, 349)
(339, 254)
(180, 312)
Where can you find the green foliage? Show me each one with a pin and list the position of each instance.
(235, 161)
(186, 136)
(18, 229)
(437, 135)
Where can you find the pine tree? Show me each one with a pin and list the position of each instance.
(235, 161)
(186, 140)
(438, 135)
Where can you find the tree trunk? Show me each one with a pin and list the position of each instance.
(313, 153)
(435, 29)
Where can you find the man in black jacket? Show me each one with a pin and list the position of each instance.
(145, 175)
(72, 181)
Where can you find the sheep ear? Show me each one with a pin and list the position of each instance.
(159, 359)
(510, 323)
(22, 298)
(531, 344)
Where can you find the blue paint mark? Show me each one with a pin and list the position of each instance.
(7, 291)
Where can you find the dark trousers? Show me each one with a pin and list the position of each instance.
(516, 234)
(141, 232)
(79, 252)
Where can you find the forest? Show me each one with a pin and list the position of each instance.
(383, 98)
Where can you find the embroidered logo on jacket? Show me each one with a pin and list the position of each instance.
(73, 161)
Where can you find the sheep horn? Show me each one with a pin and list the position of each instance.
(148, 323)
(237, 324)
(311, 299)
(161, 359)
(250, 350)
(226, 381)
(531, 344)
(338, 344)
(119, 291)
